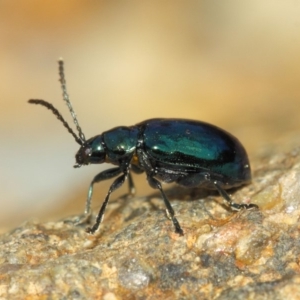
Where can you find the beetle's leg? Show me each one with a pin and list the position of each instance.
(230, 202)
(115, 185)
(136, 169)
(131, 186)
(170, 212)
(107, 174)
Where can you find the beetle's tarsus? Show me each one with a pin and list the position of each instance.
(82, 219)
(238, 207)
(232, 204)
(178, 229)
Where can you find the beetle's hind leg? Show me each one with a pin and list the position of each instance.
(170, 212)
(230, 202)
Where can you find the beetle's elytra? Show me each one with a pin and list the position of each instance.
(190, 153)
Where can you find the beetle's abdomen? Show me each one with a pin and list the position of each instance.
(195, 145)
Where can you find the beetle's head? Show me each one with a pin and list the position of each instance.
(91, 152)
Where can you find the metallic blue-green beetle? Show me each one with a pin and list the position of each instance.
(190, 153)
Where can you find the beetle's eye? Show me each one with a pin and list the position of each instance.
(88, 151)
(83, 155)
(79, 158)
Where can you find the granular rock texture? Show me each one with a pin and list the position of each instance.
(136, 255)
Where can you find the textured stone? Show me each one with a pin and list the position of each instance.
(137, 255)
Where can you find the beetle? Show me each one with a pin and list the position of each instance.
(187, 152)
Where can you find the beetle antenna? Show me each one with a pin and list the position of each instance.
(59, 117)
(67, 99)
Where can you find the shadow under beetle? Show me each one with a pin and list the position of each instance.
(190, 153)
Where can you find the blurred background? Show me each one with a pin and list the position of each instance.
(235, 64)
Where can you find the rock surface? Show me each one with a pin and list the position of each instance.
(136, 255)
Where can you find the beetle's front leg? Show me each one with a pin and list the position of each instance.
(104, 175)
(116, 184)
